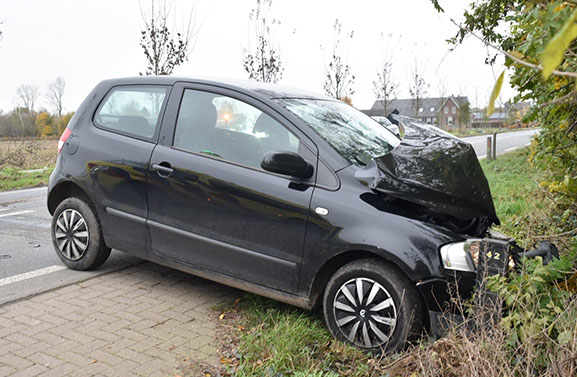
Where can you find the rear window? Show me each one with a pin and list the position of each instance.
(132, 110)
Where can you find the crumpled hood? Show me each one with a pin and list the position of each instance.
(439, 173)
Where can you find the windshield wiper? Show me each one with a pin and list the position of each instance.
(361, 162)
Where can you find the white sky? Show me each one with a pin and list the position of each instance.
(89, 41)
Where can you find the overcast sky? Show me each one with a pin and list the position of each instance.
(89, 41)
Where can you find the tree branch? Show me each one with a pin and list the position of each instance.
(561, 99)
(512, 57)
(557, 235)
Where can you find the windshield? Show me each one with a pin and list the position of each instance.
(356, 137)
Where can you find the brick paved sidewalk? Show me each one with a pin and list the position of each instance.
(146, 321)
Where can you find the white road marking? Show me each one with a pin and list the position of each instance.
(45, 189)
(16, 213)
(511, 149)
(482, 157)
(31, 274)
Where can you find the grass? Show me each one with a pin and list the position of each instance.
(12, 179)
(482, 131)
(514, 184)
(276, 340)
(525, 210)
(19, 155)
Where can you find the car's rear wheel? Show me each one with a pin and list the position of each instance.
(77, 236)
(373, 306)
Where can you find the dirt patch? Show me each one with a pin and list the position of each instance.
(27, 154)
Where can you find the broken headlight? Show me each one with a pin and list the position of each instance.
(461, 256)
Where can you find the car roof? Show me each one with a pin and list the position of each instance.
(268, 90)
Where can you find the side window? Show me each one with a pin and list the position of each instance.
(133, 110)
(230, 129)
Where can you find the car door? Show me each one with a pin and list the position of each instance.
(212, 206)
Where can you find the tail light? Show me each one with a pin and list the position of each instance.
(63, 138)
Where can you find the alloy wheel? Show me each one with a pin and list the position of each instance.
(365, 313)
(72, 235)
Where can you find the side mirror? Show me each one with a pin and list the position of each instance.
(287, 163)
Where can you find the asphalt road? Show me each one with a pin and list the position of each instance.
(506, 142)
(29, 265)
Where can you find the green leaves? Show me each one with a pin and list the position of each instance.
(437, 6)
(565, 337)
(495, 94)
(553, 54)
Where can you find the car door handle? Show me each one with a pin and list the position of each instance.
(163, 169)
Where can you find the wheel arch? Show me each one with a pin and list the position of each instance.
(331, 266)
(63, 190)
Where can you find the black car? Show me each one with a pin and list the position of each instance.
(279, 192)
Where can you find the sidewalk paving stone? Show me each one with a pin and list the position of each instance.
(142, 321)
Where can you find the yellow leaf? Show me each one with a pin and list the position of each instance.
(559, 8)
(495, 94)
(553, 54)
(518, 55)
(221, 316)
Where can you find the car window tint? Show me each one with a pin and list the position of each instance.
(224, 127)
(132, 110)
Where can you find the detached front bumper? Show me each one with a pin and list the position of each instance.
(467, 265)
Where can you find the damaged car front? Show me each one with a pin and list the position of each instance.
(421, 203)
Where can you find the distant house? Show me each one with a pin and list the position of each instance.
(511, 114)
(497, 120)
(442, 112)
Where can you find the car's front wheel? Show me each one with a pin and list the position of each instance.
(77, 236)
(373, 306)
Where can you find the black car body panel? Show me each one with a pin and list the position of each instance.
(437, 176)
(266, 233)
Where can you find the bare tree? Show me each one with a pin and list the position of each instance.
(55, 92)
(464, 114)
(163, 50)
(418, 86)
(26, 96)
(339, 80)
(384, 86)
(264, 62)
(442, 93)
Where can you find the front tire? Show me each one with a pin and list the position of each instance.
(373, 306)
(77, 236)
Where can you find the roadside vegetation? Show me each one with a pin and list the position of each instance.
(536, 337)
(484, 131)
(17, 157)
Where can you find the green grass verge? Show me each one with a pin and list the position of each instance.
(484, 131)
(514, 185)
(280, 340)
(12, 179)
(526, 211)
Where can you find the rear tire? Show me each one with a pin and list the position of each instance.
(77, 235)
(373, 306)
